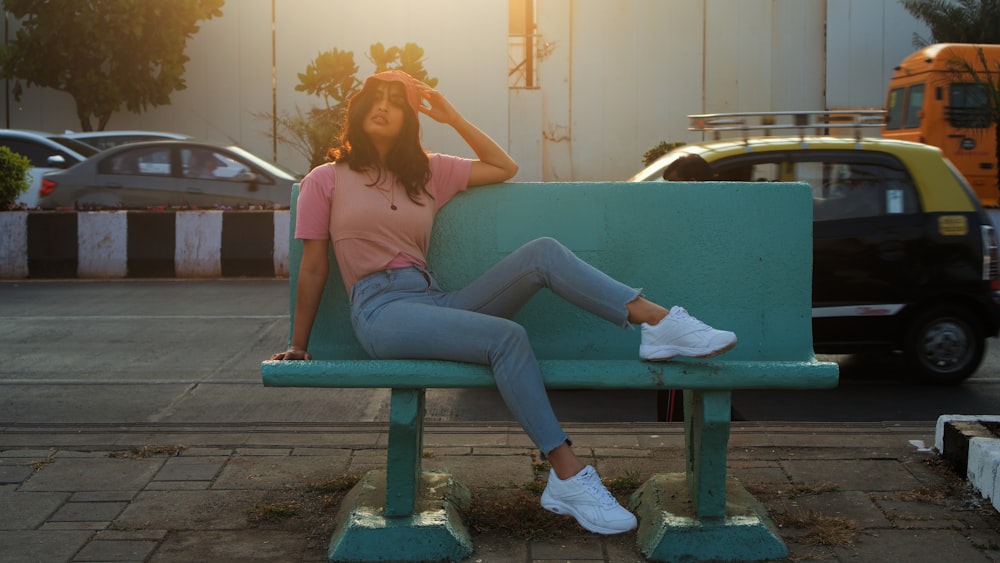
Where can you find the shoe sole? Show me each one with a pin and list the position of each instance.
(565, 510)
(682, 353)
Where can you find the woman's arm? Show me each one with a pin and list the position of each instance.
(313, 272)
(494, 164)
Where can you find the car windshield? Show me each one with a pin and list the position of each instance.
(75, 146)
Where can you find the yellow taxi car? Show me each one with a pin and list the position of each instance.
(905, 257)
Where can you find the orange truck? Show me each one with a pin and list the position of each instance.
(938, 96)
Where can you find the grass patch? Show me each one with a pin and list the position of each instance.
(41, 463)
(624, 485)
(934, 494)
(339, 484)
(144, 452)
(517, 513)
(274, 511)
(311, 507)
(789, 491)
(512, 512)
(818, 529)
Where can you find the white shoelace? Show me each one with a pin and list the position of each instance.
(680, 313)
(599, 491)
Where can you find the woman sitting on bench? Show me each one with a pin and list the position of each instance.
(376, 202)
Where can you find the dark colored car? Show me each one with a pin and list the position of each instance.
(169, 173)
(905, 258)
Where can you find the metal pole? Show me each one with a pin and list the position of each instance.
(274, 86)
(6, 82)
(529, 48)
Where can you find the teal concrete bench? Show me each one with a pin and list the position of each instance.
(739, 256)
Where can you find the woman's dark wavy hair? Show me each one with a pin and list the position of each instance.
(407, 159)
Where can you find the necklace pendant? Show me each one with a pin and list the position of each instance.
(392, 206)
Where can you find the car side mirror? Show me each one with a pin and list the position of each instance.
(57, 161)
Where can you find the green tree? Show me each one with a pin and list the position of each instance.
(332, 76)
(104, 53)
(14, 178)
(961, 21)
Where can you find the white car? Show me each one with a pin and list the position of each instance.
(103, 140)
(47, 152)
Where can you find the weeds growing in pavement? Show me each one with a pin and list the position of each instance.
(517, 512)
(788, 490)
(144, 452)
(818, 529)
(41, 463)
(339, 484)
(274, 511)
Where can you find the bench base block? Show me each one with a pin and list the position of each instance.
(669, 531)
(434, 532)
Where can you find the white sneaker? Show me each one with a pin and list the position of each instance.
(680, 334)
(585, 498)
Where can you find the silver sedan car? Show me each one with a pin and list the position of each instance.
(182, 174)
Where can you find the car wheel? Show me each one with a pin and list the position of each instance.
(945, 345)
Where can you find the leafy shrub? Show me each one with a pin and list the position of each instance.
(14, 178)
(658, 151)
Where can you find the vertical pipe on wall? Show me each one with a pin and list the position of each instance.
(529, 43)
(704, 56)
(274, 86)
(6, 82)
(569, 76)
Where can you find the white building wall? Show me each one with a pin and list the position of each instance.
(618, 77)
(865, 40)
(798, 63)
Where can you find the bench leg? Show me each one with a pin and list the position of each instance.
(403, 513)
(706, 438)
(701, 515)
(406, 448)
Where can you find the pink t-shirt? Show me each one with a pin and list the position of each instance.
(367, 234)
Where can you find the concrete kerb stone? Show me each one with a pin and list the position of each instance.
(983, 462)
(984, 468)
(135, 243)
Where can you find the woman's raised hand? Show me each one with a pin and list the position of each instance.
(440, 109)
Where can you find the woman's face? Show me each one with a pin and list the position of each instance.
(385, 118)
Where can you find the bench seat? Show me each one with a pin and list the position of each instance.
(558, 374)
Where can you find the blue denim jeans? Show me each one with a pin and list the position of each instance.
(403, 313)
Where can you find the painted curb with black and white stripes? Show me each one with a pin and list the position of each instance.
(981, 453)
(144, 244)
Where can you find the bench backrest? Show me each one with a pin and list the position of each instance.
(736, 255)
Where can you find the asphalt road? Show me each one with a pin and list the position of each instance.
(126, 352)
